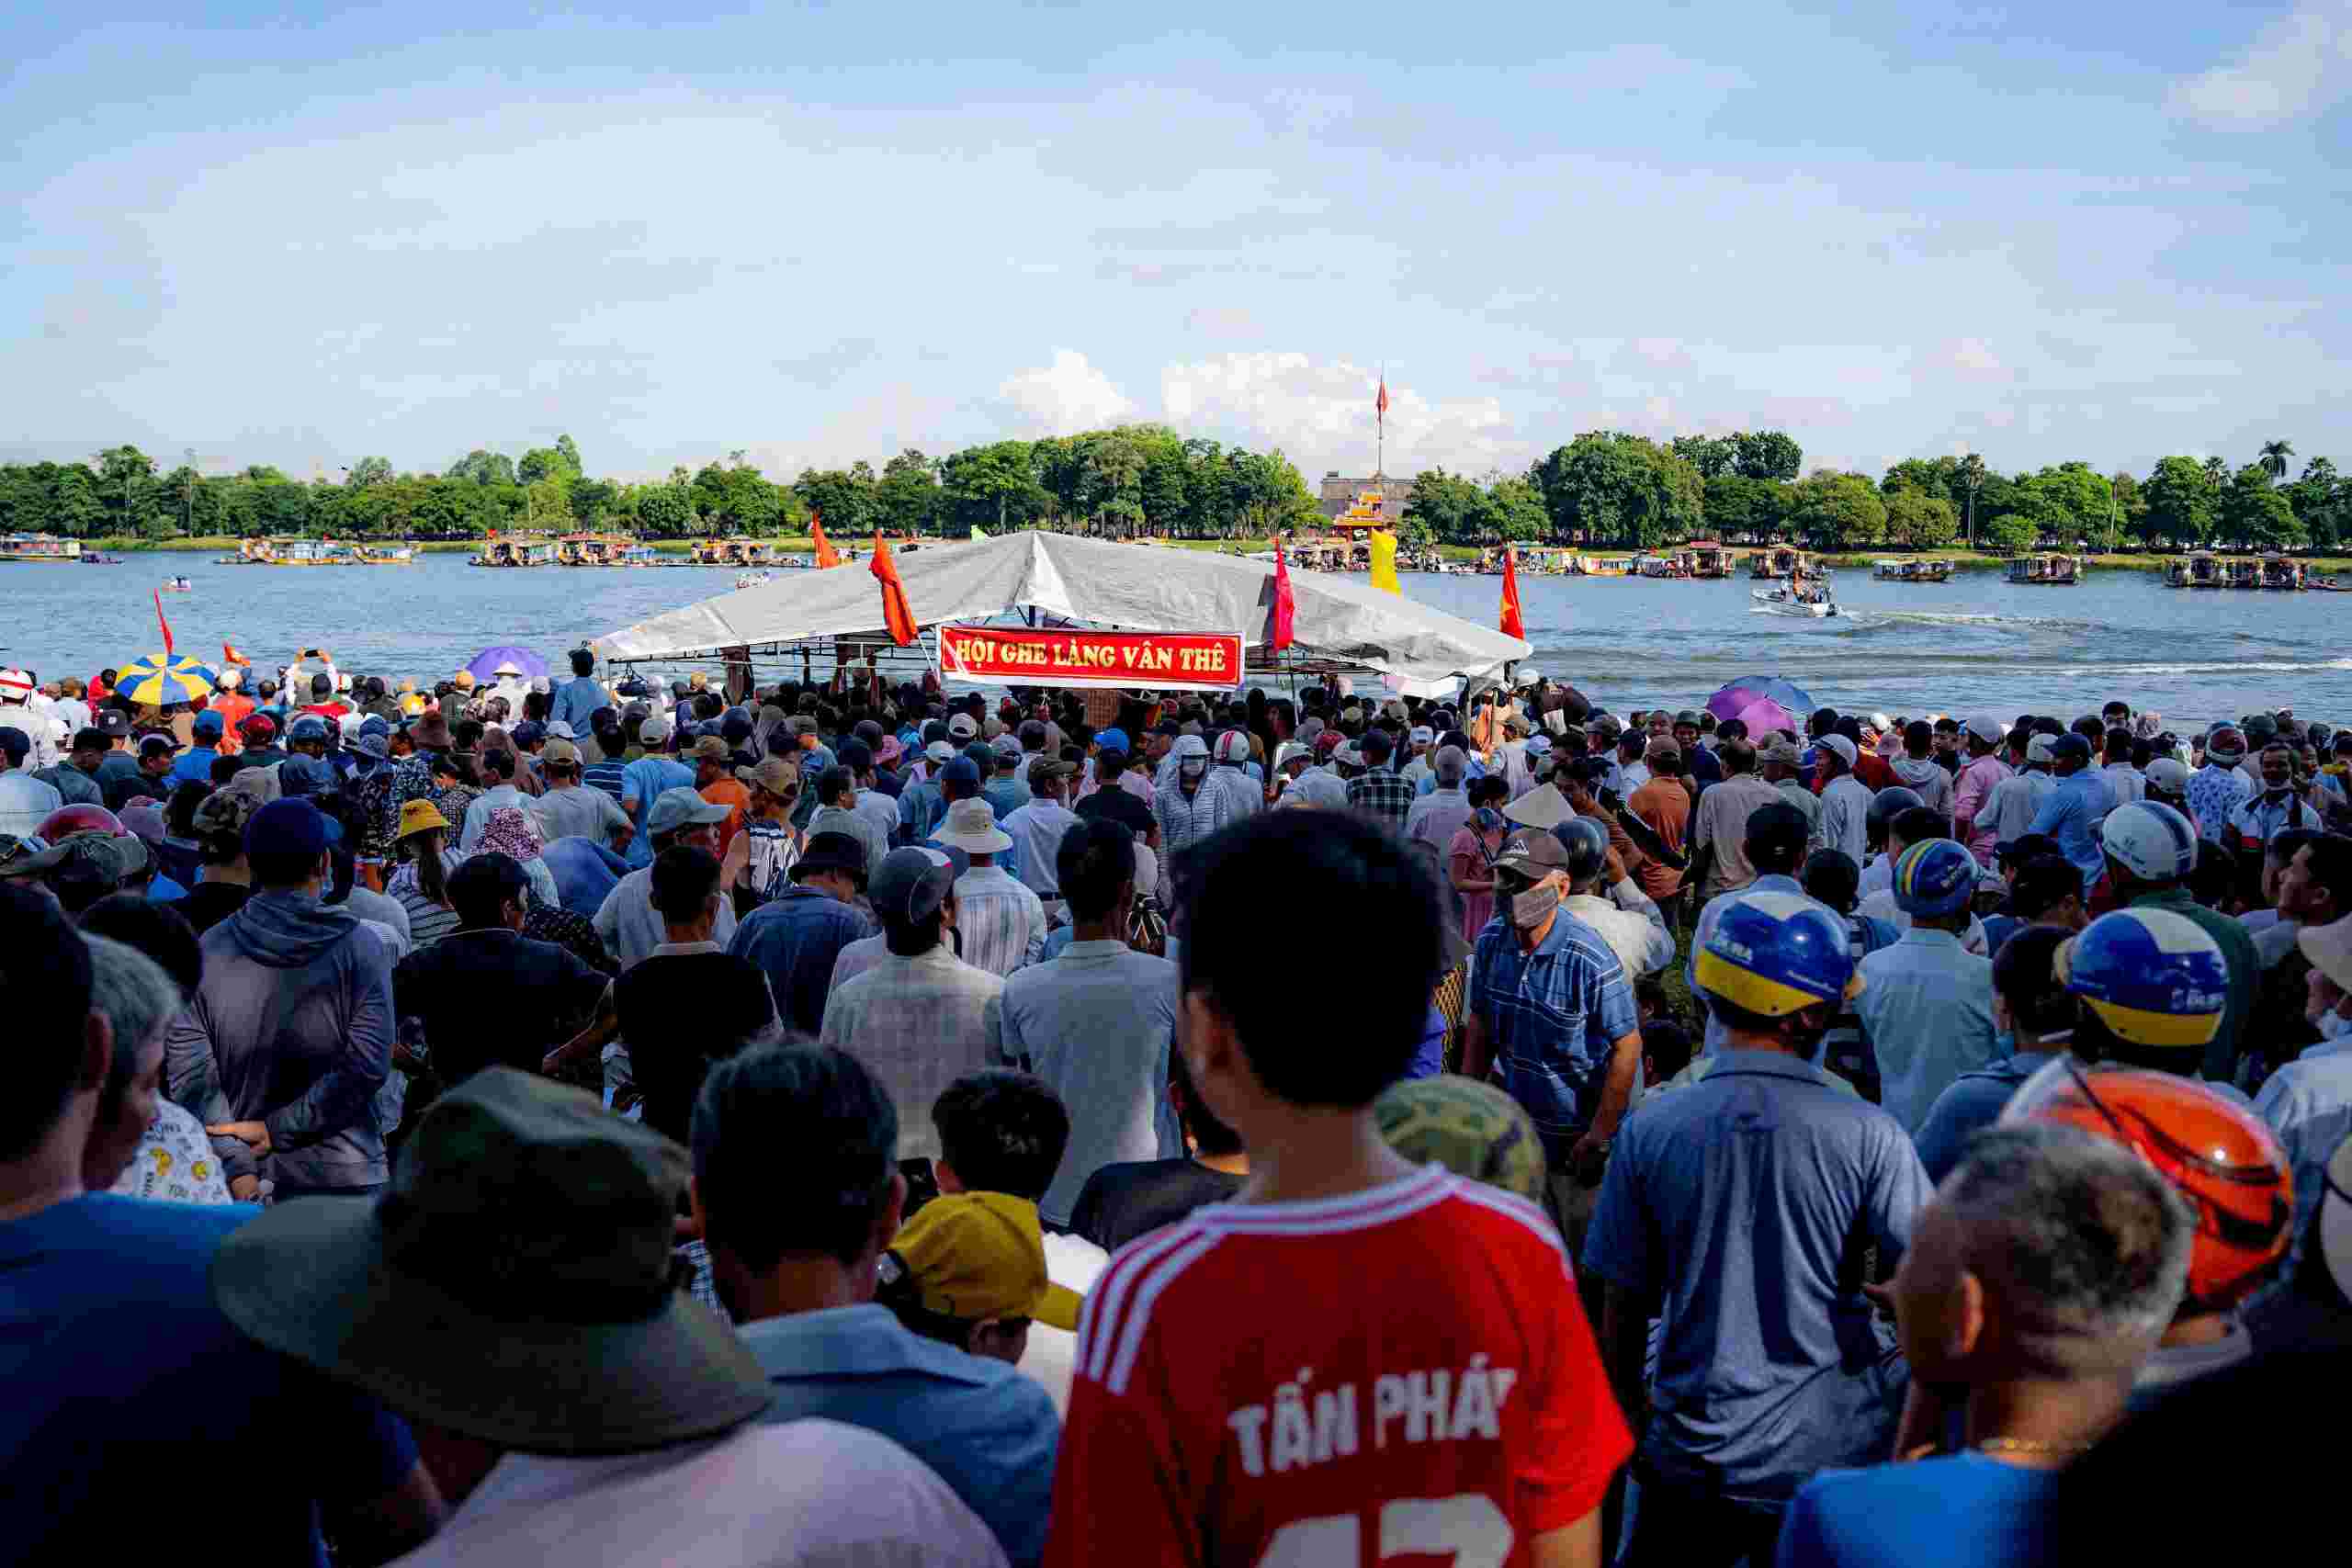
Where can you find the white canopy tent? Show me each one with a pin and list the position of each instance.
(1337, 623)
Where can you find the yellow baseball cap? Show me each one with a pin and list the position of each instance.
(979, 1255)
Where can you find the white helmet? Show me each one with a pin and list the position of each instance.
(1233, 747)
(1526, 675)
(2150, 840)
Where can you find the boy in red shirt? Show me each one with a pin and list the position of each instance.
(1356, 1360)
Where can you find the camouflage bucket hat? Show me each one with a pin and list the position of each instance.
(1472, 1129)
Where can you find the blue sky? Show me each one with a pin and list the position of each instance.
(825, 232)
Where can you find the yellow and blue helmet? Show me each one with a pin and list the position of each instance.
(2154, 976)
(1934, 876)
(1775, 953)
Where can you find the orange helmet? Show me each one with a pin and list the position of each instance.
(2221, 1160)
(80, 817)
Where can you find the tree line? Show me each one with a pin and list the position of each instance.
(1122, 482)
(1604, 489)
(1612, 490)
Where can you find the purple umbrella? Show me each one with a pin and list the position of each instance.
(1763, 716)
(1737, 695)
(1727, 703)
(484, 665)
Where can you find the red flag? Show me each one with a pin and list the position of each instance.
(230, 655)
(897, 614)
(163, 623)
(1513, 625)
(1382, 406)
(1278, 634)
(825, 556)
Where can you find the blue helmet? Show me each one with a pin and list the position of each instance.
(1934, 876)
(2154, 976)
(1775, 953)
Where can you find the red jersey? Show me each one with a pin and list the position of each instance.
(1399, 1376)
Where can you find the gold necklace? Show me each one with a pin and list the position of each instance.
(2028, 1446)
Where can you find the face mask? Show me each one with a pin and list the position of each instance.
(1192, 767)
(1529, 910)
(2334, 1025)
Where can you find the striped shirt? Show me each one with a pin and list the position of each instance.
(1002, 924)
(606, 776)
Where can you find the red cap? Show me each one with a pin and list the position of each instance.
(259, 725)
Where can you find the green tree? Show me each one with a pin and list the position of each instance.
(908, 499)
(2131, 506)
(2255, 513)
(1970, 477)
(2074, 502)
(1769, 454)
(2008, 532)
(664, 511)
(993, 487)
(1918, 521)
(1838, 511)
(2274, 457)
(2321, 501)
(1515, 510)
(2177, 503)
(483, 468)
(369, 471)
(1447, 508)
(1939, 478)
(843, 498)
(1606, 487)
(1738, 509)
(1710, 455)
(591, 500)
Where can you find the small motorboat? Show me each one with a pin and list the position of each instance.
(751, 578)
(98, 558)
(178, 585)
(1781, 603)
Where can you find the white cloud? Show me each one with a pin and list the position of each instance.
(1321, 412)
(2296, 64)
(1065, 396)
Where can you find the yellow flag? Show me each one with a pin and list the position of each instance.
(1384, 562)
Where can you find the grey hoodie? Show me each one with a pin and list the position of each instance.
(291, 1027)
(1926, 777)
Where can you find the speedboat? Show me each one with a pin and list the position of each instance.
(178, 585)
(749, 579)
(1779, 601)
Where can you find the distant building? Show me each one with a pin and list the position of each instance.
(1340, 493)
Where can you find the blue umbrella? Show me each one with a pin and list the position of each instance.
(1786, 693)
(484, 665)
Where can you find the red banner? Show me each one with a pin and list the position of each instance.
(1018, 656)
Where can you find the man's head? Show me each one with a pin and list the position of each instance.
(1686, 731)
(684, 886)
(583, 661)
(64, 1048)
(1000, 1131)
(1095, 869)
(1049, 778)
(810, 1124)
(2030, 996)
(913, 894)
(2277, 766)
(139, 1000)
(1836, 756)
(490, 892)
(1831, 877)
(680, 816)
(286, 844)
(2047, 890)
(834, 863)
(1984, 735)
(2147, 844)
(1251, 1050)
(1450, 765)
(1775, 839)
(1918, 740)
(1776, 967)
(711, 760)
(2315, 885)
(969, 1270)
(2047, 1256)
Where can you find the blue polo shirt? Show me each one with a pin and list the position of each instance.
(794, 939)
(2072, 815)
(1552, 1015)
(989, 1432)
(1974, 1103)
(193, 766)
(1957, 1511)
(644, 780)
(1740, 1204)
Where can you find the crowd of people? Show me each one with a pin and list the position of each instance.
(850, 1121)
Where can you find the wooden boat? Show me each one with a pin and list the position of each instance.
(2280, 574)
(293, 552)
(1911, 570)
(592, 550)
(385, 555)
(39, 549)
(2328, 585)
(1708, 558)
(2202, 569)
(2051, 570)
(510, 550)
(1656, 566)
(1779, 563)
(733, 552)
(2241, 571)
(1604, 566)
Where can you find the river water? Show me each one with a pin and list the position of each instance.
(1974, 643)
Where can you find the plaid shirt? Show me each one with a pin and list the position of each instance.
(1383, 793)
(1552, 1016)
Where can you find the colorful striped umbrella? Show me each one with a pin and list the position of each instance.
(154, 679)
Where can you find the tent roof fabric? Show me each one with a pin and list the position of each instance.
(1117, 585)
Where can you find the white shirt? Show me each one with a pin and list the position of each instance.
(36, 725)
(2126, 781)
(1845, 818)
(1629, 921)
(2011, 804)
(1001, 923)
(26, 801)
(801, 1494)
(1037, 830)
(632, 928)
